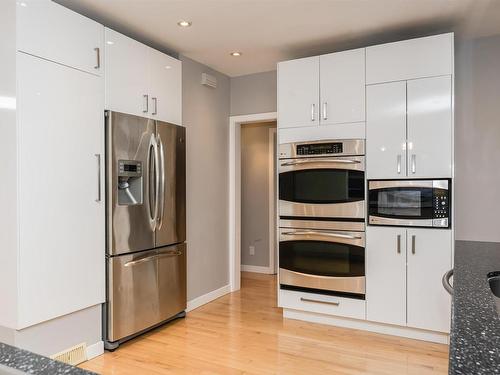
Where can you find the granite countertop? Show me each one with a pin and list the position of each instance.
(31, 363)
(475, 327)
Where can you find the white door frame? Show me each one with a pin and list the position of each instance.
(272, 150)
(235, 123)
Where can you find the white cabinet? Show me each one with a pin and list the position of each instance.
(322, 90)
(429, 127)
(409, 129)
(142, 81)
(386, 130)
(61, 190)
(385, 275)
(410, 59)
(404, 268)
(298, 92)
(429, 257)
(51, 31)
(342, 87)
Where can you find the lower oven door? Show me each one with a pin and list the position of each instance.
(319, 259)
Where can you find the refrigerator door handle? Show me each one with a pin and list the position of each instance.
(162, 182)
(153, 173)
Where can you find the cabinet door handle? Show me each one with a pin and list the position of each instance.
(313, 107)
(413, 163)
(413, 249)
(325, 113)
(399, 164)
(318, 301)
(98, 158)
(145, 103)
(155, 106)
(399, 244)
(98, 56)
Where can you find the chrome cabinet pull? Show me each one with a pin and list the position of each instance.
(413, 250)
(325, 114)
(399, 163)
(446, 281)
(155, 106)
(98, 56)
(313, 107)
(312, 232)
(413, 163)
(332, 161)
(318, 301)
(98, 158)
(399, 244)
(145, 103)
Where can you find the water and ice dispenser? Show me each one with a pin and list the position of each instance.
(129, 182)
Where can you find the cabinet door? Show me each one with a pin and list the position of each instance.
(298, 92)
(127, 75)
(51, 31)
(429, 257)
(386, 275)
(61, 186)
(429, 127)
(342, 86)
(165, 82)
(386, 130)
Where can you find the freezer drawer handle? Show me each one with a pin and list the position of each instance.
(318, 301)
(312, 232)
(153, 257)
(332, 161)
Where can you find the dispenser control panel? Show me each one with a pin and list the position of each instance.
(129, 168)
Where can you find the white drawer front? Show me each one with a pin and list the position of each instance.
(323, 304)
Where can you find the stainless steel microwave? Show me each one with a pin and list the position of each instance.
(419, 203)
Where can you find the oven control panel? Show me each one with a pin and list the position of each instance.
(320, 148)
(441, 208)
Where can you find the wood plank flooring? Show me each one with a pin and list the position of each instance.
(244, 333)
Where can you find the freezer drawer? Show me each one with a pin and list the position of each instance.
(172, 280)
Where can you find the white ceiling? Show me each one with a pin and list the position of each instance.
(268, 31)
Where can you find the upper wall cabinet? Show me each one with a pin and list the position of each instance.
(409, 59)
(322, 90)
(55, 33)
(142, 81)
(298, 92)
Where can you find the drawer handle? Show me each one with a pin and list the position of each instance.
(317, 301)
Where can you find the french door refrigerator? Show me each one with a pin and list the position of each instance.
(145, 225)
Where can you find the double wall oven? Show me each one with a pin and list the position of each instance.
(322, 217)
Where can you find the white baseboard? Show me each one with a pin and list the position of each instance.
(411, 333)
(95, 350)
(206, 298)
(257, 269)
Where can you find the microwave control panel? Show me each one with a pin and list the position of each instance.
(320, 148)
(441, 208)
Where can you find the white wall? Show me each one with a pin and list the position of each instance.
(255, 184)
(253, 93)
(206, 117)
(477, 139)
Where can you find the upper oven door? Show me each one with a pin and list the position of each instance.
(322, 187)
(400, 203)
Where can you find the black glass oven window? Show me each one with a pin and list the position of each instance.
(322, 258)
(322, 186)
(401, 203)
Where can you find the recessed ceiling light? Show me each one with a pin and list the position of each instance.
(183, 23)
(236, 54)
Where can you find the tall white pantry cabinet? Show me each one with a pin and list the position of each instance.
(399, 98)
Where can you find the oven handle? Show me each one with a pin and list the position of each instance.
(312, 232)
(306, 161)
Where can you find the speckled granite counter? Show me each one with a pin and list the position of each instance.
(475, 327)
(32, 363)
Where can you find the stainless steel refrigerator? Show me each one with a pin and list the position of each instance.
(145, 225)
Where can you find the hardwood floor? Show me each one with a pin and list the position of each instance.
(244, 333)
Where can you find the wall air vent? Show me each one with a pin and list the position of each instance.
(208, 80)
(72, 356)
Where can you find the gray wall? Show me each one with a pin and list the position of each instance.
(206, 117)
(253, 93)
(255, 193)
(477, 139)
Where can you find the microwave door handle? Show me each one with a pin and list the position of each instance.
(311, 232)
(342, 161)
